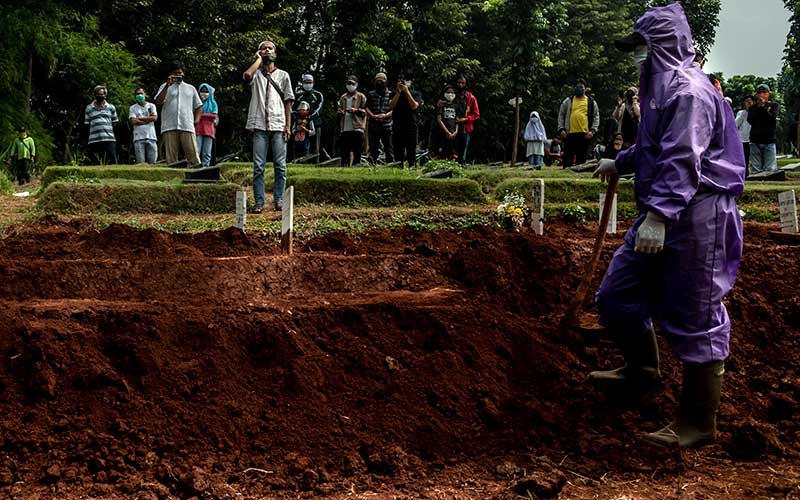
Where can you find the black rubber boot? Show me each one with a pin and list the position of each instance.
(641, 370)
(696, 425)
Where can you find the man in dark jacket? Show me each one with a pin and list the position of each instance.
(763, 118)
(380, 120)
(578, 121)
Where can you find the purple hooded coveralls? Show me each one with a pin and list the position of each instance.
(689, 167)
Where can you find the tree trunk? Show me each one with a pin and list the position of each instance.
(516, 133)
(29, 82)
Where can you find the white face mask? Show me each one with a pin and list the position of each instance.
(640, 55)
(350, 87)
(408, 83)
(449, 96)
(308, 86)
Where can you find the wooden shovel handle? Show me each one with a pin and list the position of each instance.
(570, 315)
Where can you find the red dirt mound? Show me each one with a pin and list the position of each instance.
(139, 363)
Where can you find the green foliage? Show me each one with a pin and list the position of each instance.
(434, 165)
(138, 197)
(6, 187)
(574, 213)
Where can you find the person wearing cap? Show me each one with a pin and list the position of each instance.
(404, 103)
(763, 118)
(302, 130)
(379, 125)
(681, 255)
(744, 126)
(269, 117)
(578, 121)
(21, 154)
(308, 94)
(352, 112)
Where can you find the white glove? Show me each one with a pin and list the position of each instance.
(605, 169)
(650, 236)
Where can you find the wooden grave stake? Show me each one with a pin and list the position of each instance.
(788, 207)
(612, 220)
(241, 209)
(537, 207)
(287, 221)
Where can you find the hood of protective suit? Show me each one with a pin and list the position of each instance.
(669, 38)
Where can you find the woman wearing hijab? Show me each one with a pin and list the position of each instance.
(535, 136)
(206, 129)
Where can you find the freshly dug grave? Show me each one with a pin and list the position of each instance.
(139, 364)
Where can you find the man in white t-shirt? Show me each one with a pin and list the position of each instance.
(142, 115)
(181, 108)
(270, 119)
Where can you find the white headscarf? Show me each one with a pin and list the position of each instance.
(534, 131)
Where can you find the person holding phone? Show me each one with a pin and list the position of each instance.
(181, 109)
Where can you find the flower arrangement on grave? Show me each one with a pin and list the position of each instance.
(512, 211)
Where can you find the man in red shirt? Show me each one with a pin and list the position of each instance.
(468, 114)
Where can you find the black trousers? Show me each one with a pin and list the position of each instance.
(378, 134)
(576, 146)
(405, 143)
(351, 142)
(104, 152)
(746, 146)
(22, 168)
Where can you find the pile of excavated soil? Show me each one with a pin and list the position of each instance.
(140, 364)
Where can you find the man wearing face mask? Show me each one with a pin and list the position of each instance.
(763, 119)
(380, 120)
(269, 117)
(681, 256)
(181, 109)
(404, 103)
(352, 112)
(142, 115)
(100, 116)
(578, 121)
(308, 94)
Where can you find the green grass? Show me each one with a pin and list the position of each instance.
(138, 197)
(83, 174)
(384, 191)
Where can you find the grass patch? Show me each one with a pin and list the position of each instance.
(88, 174)
(138, 197)
(384, 191)
(6, 186)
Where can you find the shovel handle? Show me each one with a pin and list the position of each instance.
(570, 316)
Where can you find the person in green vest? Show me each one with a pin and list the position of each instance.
(21, 154)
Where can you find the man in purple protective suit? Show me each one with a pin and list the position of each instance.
(682, 254)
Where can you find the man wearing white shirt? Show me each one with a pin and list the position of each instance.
(180, 112)
(142, 115)
(270, 119)
(744, 127)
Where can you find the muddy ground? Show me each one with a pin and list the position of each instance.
(145, 365)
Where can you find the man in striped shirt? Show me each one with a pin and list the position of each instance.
(100, 116)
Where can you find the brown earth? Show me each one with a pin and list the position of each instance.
(145, 365)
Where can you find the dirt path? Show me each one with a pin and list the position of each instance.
(391, 364)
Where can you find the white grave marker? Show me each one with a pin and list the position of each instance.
(287, 221)
(788, 206)
(241, 209)
(612, 220)
(537, 207)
